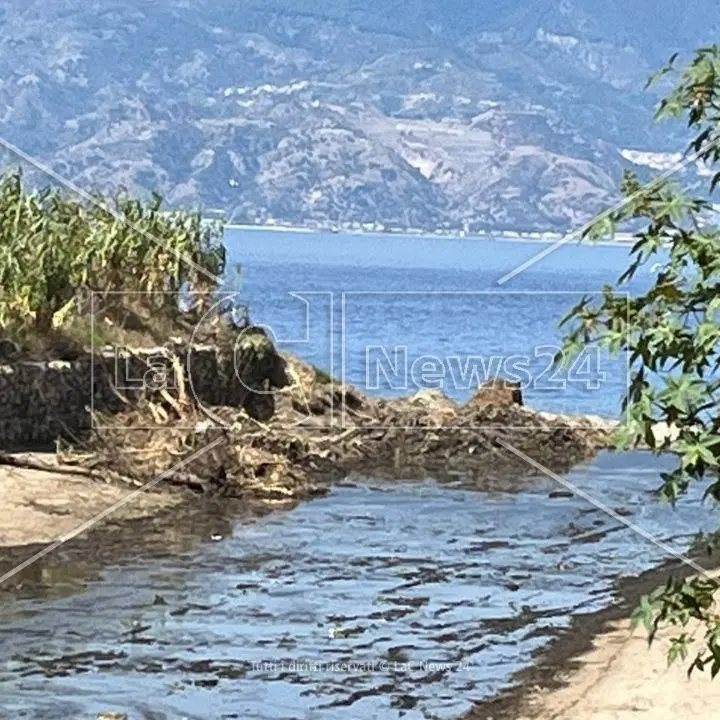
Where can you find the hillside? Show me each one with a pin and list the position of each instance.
(409, 114)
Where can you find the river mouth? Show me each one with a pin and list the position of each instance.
(382, 599)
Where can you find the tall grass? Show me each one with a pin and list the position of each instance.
(56, 252)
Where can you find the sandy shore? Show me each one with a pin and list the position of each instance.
(41, 506)
(620, 678)
(600, 670)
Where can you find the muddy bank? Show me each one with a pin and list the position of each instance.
(620, 679)
(598, 669)
(40, 507)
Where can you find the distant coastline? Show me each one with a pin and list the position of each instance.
(540, 237)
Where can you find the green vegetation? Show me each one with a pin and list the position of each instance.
(672, 336)
(61, 259)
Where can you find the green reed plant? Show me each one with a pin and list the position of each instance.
(56, 251)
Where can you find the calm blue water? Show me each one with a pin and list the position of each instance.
(394, 314)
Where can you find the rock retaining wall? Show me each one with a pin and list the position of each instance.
(43, 401)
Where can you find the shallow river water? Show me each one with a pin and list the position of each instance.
(382, 600)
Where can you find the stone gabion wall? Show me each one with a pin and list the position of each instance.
(43, 401)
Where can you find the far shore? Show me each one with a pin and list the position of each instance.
(511, 236)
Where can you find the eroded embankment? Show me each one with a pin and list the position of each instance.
(303, 430)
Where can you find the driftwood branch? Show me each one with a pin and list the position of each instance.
(27, 462)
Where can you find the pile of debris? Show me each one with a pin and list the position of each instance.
(312, 430)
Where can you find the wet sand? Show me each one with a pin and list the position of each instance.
(41, 506)
(601, 670)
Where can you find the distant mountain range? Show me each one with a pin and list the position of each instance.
(400, 113)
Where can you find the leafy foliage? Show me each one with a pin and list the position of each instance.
(672, 336)
(59, 256)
